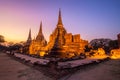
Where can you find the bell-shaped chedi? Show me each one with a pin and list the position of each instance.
(59, 33)
(25, 48)
(40, 37)
(63, 44)
(37, 45)
(57, 37)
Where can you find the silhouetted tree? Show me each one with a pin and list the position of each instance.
(87, 48)
(113, 44)
(2, 39)
(3, 48)
(107, 49)
(95, 47)
(15, 47)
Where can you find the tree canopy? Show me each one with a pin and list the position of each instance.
(2, 39)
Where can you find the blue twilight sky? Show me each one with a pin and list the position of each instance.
(89, 18)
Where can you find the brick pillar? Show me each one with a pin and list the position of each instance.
(118, 40)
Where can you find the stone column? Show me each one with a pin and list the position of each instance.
(118, 40)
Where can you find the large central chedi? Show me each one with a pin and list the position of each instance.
(61, 44)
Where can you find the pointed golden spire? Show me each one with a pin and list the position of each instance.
(59, 18)
(29, 37)
(40, 30)
(40, 34)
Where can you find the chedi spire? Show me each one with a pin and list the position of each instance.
(40, 36)
(29, 37)
(59, 18)
(40, 30)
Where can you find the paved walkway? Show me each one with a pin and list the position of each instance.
(14, 70)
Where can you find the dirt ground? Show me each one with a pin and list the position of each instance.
(109, 70)
(11, 69)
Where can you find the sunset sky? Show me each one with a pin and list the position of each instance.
(89, 18)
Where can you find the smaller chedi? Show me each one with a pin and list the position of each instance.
(37, 45)
(26, 46)
(61, 43)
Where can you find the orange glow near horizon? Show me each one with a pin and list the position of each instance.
(82, 17)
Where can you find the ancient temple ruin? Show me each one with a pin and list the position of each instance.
(61, 43)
